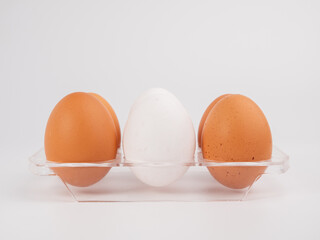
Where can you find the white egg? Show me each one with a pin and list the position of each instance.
(159, 130)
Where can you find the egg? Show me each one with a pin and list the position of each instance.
(159, 131)
(205, 115)
(236, 130)
(113, 115)
(80, 129)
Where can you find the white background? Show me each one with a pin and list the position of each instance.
(267, 50)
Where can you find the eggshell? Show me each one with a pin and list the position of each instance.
(159, 130)
(113, 115)
(205, 115)
(80, 130)
(236, 130)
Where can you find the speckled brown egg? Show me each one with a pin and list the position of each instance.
(205, 115)
(236, 130)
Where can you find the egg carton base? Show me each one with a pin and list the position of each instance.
(197, 185)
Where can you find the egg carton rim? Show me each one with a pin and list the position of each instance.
(279, 162)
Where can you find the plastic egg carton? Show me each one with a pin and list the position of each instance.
(120, 185)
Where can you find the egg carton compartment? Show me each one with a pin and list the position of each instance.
(121, 185)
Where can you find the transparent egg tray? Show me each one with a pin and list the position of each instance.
(120, 184)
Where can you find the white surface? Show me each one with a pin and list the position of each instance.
(267, 50)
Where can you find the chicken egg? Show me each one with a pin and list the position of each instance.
(158, 130)
(80, 129)
(235, 130)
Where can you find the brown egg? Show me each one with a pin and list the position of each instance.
(80, 130)
(205, 115)
(236, 130)
(113, 115)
